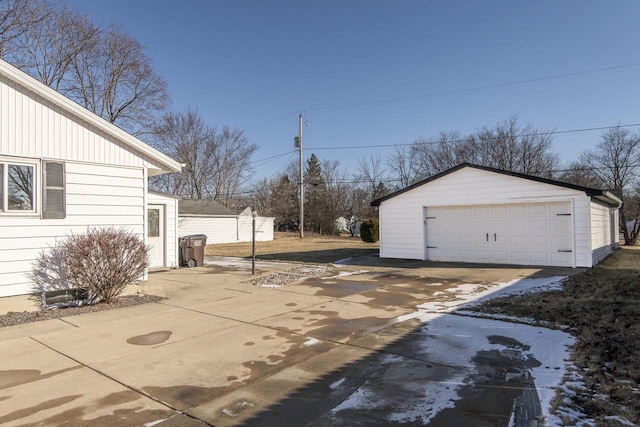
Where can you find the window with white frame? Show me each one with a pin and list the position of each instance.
(19, 189)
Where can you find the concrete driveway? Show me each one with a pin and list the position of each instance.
(368, 343)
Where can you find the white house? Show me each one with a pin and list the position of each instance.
(63, 170)
(220, 224)
(478, 214)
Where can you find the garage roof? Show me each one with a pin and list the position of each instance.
(603, 195)
(205, 208)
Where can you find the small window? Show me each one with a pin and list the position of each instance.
(154, 223)
(20, 187)
(53, 194)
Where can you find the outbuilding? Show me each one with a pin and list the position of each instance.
(220, 224)
(479, 214)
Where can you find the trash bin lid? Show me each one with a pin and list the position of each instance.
(195, 236)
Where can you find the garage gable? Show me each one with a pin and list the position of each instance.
(477, 214)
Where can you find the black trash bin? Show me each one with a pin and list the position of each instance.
(192, 250)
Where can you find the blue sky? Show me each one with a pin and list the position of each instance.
(255, 64)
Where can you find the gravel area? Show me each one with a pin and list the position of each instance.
(287, 277)
(16, 318)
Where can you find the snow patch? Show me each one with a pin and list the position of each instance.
(345, 274)
(337, 384)
(311, 341)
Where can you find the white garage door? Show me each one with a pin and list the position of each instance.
(528, 234)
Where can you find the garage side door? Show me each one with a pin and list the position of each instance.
(527, 234)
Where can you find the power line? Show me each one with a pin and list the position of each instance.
(474, 89)
(549, 133)
(271, 121)
(271, 157)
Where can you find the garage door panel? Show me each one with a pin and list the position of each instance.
(518, 234)
(538, 209)
(500, 211)
(502, 257)
(518, 211)
(559, 208)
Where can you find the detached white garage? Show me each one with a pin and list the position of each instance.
(478, 214)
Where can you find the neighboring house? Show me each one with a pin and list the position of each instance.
(64, 170)
(483, 215)
(220, 224)
(352, 226)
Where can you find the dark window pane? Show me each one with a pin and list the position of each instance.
(154, 223)
(20, 188)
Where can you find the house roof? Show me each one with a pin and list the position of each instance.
(162, 162)
(603, 195)
(206, 207)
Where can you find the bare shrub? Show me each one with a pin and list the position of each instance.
(104, 261)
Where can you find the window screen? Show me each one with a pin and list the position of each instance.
(54, 195)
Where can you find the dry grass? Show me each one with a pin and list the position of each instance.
(289, 247)
(602, 308)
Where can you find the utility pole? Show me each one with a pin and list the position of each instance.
(299, 145)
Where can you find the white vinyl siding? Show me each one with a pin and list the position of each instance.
(230, 229)
(217, 229)
(601, 235)
(91, 202)
(402, 226)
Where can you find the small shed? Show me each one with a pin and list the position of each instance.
(220, 224)
(478, 214)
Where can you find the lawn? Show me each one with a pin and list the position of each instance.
(289, 247)
(602, 309)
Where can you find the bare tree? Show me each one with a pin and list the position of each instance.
(506, 146)
(188, 139)
(16, 17)
(47, 48)
(105, 70)
(401, 166)
(579, 173)
(616, 162)
(231, 164)
(371, 171)
(369, 185)
(215, 164)
(115, 79)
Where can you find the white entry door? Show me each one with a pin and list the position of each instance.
(155, 235)
(527, 234)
